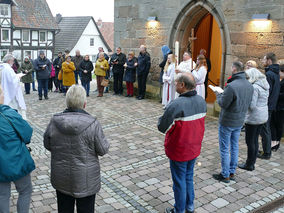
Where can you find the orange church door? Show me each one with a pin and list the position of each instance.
(209, 38)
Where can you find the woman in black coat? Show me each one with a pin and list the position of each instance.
(277, 121)
(86, 68)
(130, 73)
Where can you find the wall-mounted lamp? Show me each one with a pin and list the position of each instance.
(261, 22)
(261, 17)
(152, 21)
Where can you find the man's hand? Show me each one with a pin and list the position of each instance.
(136, 64)
(85, 71)
(177, 71)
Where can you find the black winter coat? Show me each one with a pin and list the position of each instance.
(280, 104)
(86, 65)
(57, 64)
(42, 73)
(273, 78)
(130, 71)
(144, 63)
(121, 59)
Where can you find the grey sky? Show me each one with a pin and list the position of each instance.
(97, 8)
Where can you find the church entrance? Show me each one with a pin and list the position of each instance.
(197, 27)
(208, 37)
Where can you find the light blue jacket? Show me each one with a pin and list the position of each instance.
(15, 159)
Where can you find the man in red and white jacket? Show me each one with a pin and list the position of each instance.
(184, 125)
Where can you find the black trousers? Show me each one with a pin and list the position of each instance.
(66, 203)
(142, 80)
(117, 82)
(266, 135)
(252, 133)
(58, 84)
(50, 83)
(206, 85)
(277, 122)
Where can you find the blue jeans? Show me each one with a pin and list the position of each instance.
(229, 144)
(182, 175)
(33, 84)
(86, 85)
(77, 75)
(27, 88)
(42, 85)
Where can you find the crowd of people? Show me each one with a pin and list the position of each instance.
(250, 98)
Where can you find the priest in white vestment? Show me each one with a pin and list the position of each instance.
(199, 74)
(186, 66)
(169, 81)
(13, 95)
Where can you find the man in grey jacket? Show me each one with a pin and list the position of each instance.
(75, 140)
(234, 103)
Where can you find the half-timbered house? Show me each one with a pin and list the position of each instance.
(26, 26)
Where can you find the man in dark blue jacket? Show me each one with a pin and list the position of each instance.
(43, 70)
(144, 64)
(273, 78)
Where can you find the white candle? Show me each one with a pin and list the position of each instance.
(177, 51)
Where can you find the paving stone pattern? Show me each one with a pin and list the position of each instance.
(135, 173)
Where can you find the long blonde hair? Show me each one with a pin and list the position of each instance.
(168, 64)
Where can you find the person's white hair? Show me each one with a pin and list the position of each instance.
(76, 97)
(254, 75)
(8, 57)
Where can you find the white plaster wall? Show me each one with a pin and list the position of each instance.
(35, 35)
(49, 35)
(17, 34)
(84, 42)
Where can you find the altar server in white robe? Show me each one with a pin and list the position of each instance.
(199, 74)
(169, 80)
(13, 94)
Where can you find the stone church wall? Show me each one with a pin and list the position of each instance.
(244, 41)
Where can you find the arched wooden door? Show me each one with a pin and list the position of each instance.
(209, 38)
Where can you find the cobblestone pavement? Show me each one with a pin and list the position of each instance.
(136, 175)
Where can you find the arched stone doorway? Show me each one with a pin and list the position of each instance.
(212, 35)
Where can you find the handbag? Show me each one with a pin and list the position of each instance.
(60, 75)
(104, 82)
(15, 130)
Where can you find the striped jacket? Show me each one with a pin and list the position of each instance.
(184, 125)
